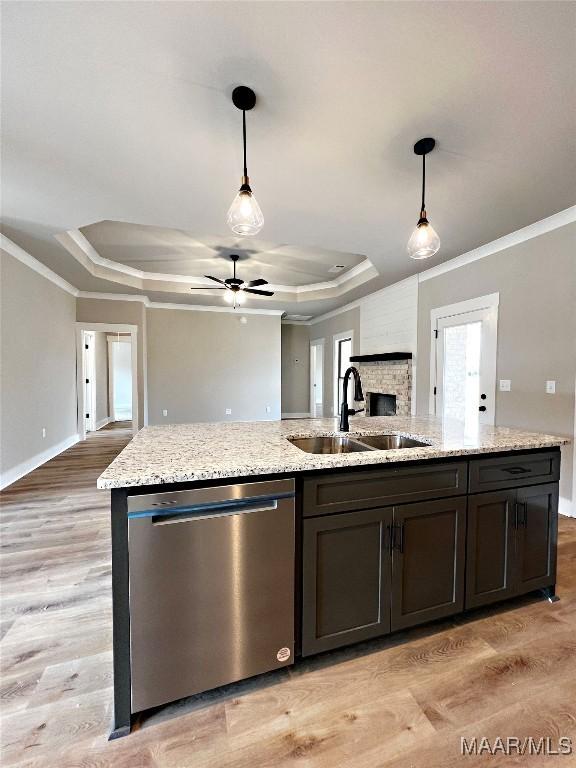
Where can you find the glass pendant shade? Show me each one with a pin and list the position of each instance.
(424, 241)
(244, 216)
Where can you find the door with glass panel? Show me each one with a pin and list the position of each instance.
(466, 367)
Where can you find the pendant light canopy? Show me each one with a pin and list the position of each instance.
(424, 242)
(244, 216)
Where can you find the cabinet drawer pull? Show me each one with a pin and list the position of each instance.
(516, 470)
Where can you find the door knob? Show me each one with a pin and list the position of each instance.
(482, 408)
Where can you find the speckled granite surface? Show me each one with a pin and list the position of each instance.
(186, 452)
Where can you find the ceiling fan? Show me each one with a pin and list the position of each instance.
(235, 287)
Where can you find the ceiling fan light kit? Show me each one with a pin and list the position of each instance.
(244, 215)
(424, 241)
(235, 287)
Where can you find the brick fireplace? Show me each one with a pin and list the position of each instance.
(388, 374)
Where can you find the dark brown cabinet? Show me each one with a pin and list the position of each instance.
(371, 571)
(511, 543)
(346, 579)
(428, 561)
(536, 537)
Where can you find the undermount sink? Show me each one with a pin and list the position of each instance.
(390, 442)
(327, 444)
(344, 444)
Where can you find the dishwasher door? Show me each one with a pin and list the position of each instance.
(211, 587)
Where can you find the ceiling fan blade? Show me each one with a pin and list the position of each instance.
(217, 279)
(208, 288)
(254, 283)
(259, 293)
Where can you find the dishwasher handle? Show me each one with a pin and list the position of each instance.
(206, 512)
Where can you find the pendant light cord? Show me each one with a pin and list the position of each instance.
(423, 207)
(244, 140)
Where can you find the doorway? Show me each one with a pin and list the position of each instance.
(317, 378)
(463, 361)
(119, 377)
(107, 379)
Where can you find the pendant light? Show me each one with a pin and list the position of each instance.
(244, 216)
(424, 242)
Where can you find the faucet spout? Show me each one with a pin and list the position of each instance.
(345, 410)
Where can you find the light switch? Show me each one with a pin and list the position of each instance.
(505, 385)
(550, 387)
(268, 409)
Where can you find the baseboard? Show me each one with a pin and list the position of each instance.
(295, 415)
(103, 422)
(566, 507)
(15, 473)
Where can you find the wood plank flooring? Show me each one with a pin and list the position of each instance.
(400, 702)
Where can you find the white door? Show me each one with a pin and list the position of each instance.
(120, 378)
(317, 378)
(89, 382)
(465, 386)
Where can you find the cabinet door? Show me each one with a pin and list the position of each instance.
(490, 548)
(537, 521)
(346, 579)
(428, 561)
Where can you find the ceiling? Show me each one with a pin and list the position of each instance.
(118, 125)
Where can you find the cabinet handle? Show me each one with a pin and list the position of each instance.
(521, 521)
(390, 532)
(398, 540)
(516, 470)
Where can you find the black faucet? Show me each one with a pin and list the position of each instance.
(358, 395)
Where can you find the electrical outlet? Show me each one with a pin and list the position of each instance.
(505, 385)
(43, 431)
(268, 409)
(228, 411)
(165, 412)
(550, 387)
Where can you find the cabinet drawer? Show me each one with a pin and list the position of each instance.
(345, 492)
(494, 473)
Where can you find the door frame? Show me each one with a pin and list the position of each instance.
(335, 339)
(318, 344)
(490, 302)
(81, 328)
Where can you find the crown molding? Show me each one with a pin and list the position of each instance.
(82, 250)
(172, 305)
(557, 220)
(25, 258)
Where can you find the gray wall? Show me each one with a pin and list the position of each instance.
(536, 331)
(200, 363)
(101, 366)
(130, 312)
(295, 369)
(38, 365)
(327, 329)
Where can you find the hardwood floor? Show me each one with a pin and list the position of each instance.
(399, 702)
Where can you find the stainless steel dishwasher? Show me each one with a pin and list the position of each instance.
(211, 587)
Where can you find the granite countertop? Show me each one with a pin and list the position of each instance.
(177, 453)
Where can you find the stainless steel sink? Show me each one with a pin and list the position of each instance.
(389, 442)
(327, 444)
(345, 444)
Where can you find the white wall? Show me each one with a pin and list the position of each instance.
(389, 319)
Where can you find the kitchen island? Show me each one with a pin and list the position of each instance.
(372, 541)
